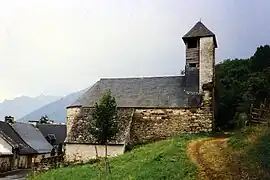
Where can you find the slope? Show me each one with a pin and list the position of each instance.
(56, 110)
(167, 159)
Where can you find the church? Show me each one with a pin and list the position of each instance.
(151, 108)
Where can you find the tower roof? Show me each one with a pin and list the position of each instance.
(199, 30)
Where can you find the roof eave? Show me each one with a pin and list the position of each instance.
(186, 38)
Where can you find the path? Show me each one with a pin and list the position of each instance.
(16, 175)
(216, 161)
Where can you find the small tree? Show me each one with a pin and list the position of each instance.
(104, 123)
(44, 119)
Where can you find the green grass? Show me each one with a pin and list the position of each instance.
(254, 142)
(165, 159)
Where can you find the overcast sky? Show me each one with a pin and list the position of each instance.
(55, 47)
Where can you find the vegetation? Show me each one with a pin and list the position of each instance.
(253, 147)
(240, 83)
(103, 124)
(44, 119)
(167, 159)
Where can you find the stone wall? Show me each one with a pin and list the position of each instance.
(157, 124)
(5, 163)
(207, 55)
(150, 124)
(72, 113)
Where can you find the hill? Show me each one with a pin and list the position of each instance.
(20, 106)
(243, 154)
(167, 159)
(55, 110)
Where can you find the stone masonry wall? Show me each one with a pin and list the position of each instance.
(157, 124)
(150, 124)
(207, 55)
(72, 113)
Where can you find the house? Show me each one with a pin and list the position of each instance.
(22, 152)
(34, 138)
(151, 108)
(6, 153)
(55, 135)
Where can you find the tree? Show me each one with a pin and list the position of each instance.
(240, 83)
(44, 119)
(104, 122)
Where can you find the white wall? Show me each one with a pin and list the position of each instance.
(5, 148)
(84, 152)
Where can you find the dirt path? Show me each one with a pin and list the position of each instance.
(216, 161)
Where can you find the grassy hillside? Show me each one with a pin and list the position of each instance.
(166, 159)
(252, 145)
(243, 155)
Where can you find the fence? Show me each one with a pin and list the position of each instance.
(260, 115)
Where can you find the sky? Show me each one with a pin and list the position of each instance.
(56, 47)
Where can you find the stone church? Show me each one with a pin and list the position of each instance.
(151, 108)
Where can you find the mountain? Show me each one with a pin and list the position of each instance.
(20, 106)
(56, 110)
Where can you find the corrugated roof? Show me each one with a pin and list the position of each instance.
(199, 30)
(15, 139)
(58, 130)
(167, 91)
(33, 137)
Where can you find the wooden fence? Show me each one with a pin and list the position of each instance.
(260, 115)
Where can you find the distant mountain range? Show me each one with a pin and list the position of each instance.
(55, 110)
(23, 105)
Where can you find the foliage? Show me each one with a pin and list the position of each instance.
(104, 122)
(165, 159)
(238, 84)
(254, 143)
(44, 119)
(104, 125)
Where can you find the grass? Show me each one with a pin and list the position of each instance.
(253, 147)
(165, 159)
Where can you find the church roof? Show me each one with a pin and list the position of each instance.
(167, 91)
(199, 30)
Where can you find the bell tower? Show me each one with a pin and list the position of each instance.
(200, 57)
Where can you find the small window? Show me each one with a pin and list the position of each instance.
(192, 43)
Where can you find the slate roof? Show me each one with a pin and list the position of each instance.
(15, 139)
(33, 137)
(58, 130)
(79, 132)
(199, 30)
(167, 91)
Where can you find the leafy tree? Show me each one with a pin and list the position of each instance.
(104, 122)
(240, 83)
(44, 119)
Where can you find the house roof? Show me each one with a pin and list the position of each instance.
(79, 133)
(59, 130)
(15, 140)
(167, 91)
(199, 30)
(33, 137)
